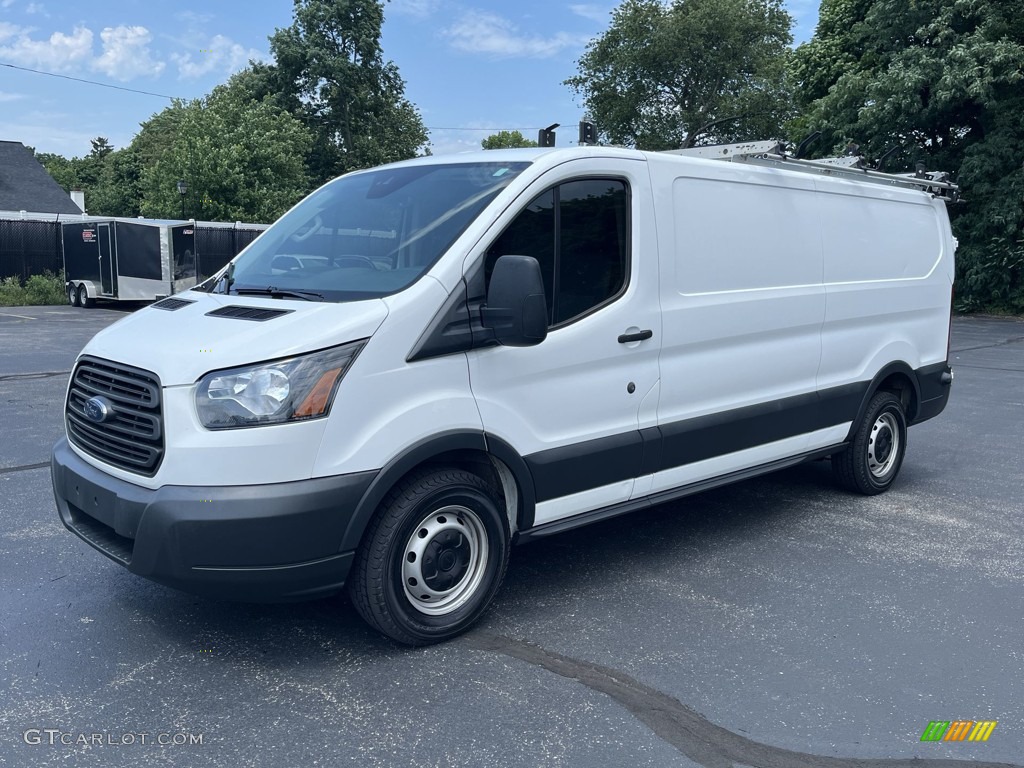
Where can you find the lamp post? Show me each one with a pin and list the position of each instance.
(182, 189)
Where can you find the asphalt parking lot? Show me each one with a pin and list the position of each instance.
(774, 623)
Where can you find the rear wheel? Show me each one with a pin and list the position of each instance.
(872, 461)
(432, 559)
(72, 295)
(84, 299)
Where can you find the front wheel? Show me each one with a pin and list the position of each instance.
(433, 558)
(872, 461)
(72, 295)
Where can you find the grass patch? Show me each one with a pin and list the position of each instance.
(38, 290)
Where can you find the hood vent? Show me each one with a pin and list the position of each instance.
(171, 304)
(249, 313)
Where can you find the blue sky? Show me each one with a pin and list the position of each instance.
(469, 65)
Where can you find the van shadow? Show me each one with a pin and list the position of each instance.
(703, 524)
(546, 571)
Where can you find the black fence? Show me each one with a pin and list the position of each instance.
(216, 246)
(30, 247)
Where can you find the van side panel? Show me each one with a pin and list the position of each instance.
(743, 304)
(887, 281)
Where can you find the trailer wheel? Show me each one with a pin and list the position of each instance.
(72, 295)
(432, 559)
(872, 461)
(84, 300)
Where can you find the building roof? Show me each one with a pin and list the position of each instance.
(26, 186)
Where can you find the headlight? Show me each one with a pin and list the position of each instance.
(295, 389)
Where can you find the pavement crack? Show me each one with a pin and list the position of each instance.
(696, 737)
(24, 467)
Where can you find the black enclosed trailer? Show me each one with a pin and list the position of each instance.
(127, 259)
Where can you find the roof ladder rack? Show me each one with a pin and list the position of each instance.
(851, 166)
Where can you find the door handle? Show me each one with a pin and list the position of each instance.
(625, 338)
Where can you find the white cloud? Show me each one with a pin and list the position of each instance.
(10, 96)
(598, 13)
(221, 55)
(126, 54)
(6, 3)
(36, 8)
(496, 36)
(58, 52)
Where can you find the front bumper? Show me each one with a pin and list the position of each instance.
(261, 543)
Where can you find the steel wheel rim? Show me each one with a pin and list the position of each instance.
(883, 445)
(444, 560)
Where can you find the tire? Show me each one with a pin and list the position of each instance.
(72, 295)
(84, 299)
(873, 460)
(432, 558)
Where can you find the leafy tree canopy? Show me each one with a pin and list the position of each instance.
(330, 72)
(507, 140)
(243, 160)
(108, 176)
(674, 74)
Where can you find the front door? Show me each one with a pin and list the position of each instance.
(573, 406)
(107, 267)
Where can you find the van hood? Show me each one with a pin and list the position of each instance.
(182, 345)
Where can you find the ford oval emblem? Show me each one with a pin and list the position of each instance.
(98, 409)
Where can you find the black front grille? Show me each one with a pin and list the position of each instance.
(133, 438)
(248, 313)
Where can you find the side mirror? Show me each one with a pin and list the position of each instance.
(516, 309)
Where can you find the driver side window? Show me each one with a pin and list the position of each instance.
(579, 233)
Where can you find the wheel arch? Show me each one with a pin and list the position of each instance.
(475, 452)
(898, 378)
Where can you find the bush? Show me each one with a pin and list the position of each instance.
(46, 288)
(11, 293)
(992, 279)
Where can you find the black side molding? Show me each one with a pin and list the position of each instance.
(606, 513)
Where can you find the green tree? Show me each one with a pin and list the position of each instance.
(243, 160)
(107, 176)
(685, 72)
(942, 79)
(507, 140)
(101, 147)
(330, 72)
(118, 190)
(63, 170)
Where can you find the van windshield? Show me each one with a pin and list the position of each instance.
(366, 235)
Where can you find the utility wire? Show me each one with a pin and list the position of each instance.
(90, 82)
(165, 96)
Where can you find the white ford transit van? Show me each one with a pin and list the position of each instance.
(422, 363)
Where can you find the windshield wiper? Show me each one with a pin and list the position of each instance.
(280, 293)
